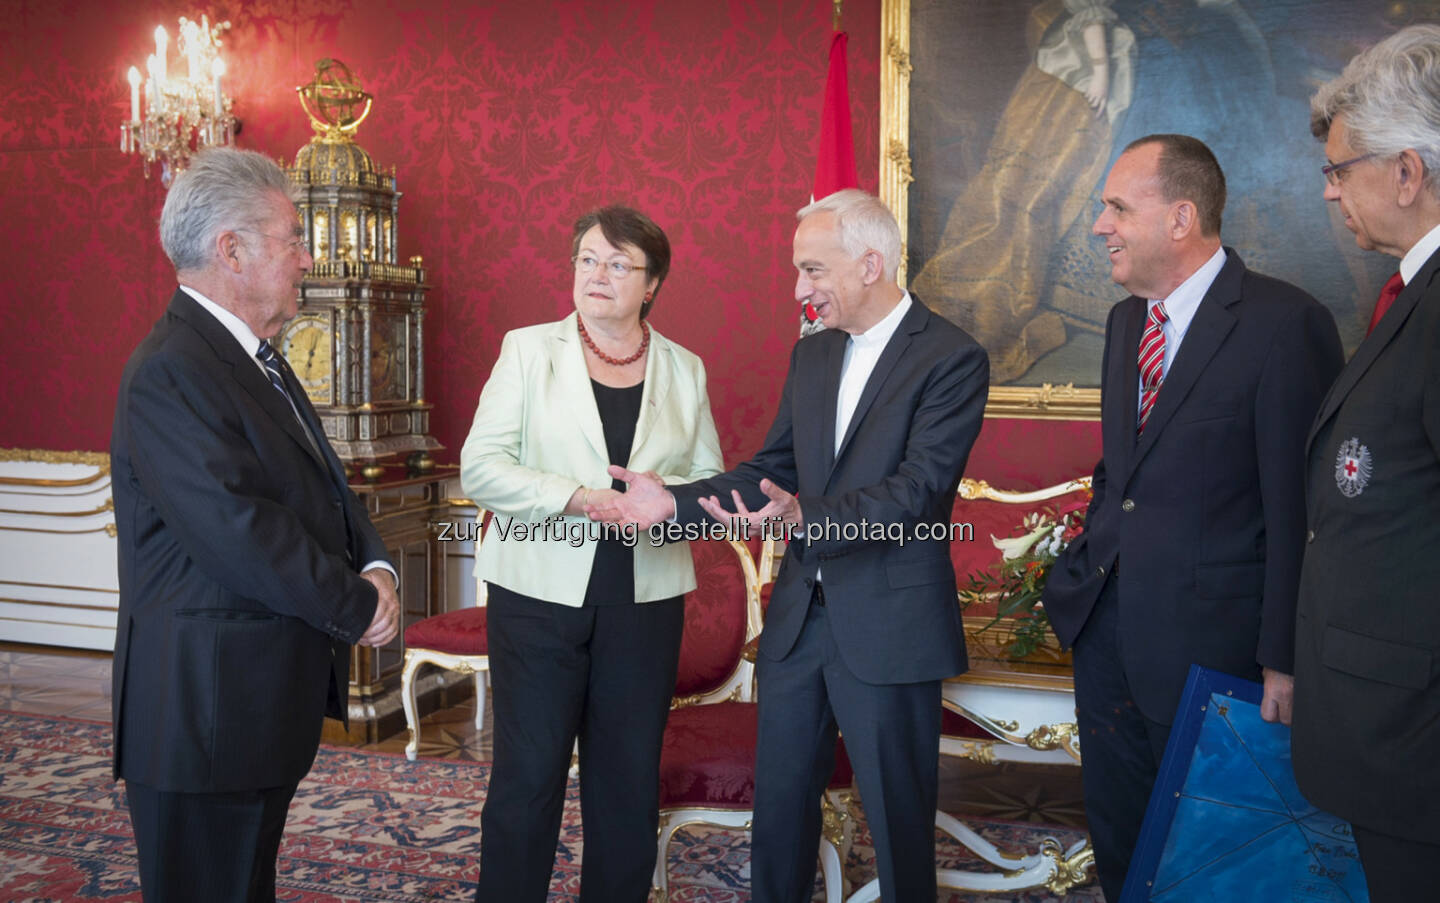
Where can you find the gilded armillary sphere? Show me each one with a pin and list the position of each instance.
(331, 98)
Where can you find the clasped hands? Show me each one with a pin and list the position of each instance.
(646, 502)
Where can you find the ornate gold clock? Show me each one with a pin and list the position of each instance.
(308, 343)
(358, 344)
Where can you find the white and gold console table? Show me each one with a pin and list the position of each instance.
(58, 580)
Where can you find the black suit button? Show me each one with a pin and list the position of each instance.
(335, 503)
(1127, 506)
(1310, 537)
(1100, 572)
(809, 582)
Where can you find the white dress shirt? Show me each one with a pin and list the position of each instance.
(862, 353)
(1417, 255)
(1180, 307)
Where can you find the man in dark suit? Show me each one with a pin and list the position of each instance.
(246, 565)
(876, 420)
(1367, 646)
(1191, 550)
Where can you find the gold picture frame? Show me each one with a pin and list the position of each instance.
(1044, 402)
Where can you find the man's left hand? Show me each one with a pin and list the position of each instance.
(1279, 693)
(783, 508)
(386, 622)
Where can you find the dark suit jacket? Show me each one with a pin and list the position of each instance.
(239, 550)
(1206, 512)
(891, 604)
(1367, 647)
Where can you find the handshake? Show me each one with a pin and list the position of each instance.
(646, 502)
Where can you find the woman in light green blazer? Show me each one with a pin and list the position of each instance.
(584, 625)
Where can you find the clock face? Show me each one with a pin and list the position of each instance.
(308, 345)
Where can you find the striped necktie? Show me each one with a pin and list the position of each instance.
(1152, 362)
(271, 360)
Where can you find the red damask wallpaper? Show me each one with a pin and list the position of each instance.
(504, 121)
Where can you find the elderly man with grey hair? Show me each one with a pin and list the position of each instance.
(247, 567)
(1367, 650)
(874, 426)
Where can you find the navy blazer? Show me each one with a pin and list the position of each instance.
(238, 552)
(891, 602)
(1367, 648)
(1205, 513)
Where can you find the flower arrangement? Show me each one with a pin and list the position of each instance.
(1017, 582)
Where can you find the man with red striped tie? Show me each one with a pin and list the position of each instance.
(1192, 546)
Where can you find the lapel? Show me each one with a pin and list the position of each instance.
(1374, 343)
(913, 322)
(1212, 323)
(244, 369)
(1123, 381)
(829, 397)
(567, 362)
(659, 379)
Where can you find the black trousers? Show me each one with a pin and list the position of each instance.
(1121, 749)
(892, 735)
(216, 847)
(1397, 869)
(605, 674)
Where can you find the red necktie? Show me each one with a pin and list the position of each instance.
(1152, 361)
(1388, 294)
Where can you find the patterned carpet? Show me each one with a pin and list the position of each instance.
(363, 827)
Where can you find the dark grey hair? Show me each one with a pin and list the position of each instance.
(223, 188)
(1390, 98)
(866, 224)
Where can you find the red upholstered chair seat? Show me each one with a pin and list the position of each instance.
(459, 632)
(715, 614)
(955, 725)
(708, 760)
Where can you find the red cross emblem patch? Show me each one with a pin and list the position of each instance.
(1352, 468)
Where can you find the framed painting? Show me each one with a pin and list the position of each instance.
(1000, 119)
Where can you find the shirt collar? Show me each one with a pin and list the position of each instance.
(1180, 307)
(1415, 258)
(236, 326)
(879, 334)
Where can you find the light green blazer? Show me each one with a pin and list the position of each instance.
(537, 437)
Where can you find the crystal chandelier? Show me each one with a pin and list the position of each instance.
(183, 112)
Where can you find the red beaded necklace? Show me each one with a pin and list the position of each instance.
(616, 361)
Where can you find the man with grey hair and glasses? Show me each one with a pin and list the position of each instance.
(875, 424)
(247, 567)
(1367, 649)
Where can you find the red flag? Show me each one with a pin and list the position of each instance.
(835, 163)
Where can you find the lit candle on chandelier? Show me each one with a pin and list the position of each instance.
(218, 67)
(162, 41)
(134, 77)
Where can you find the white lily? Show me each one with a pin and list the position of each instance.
(1015, 546)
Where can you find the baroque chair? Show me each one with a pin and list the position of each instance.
(707, 764)
(456, 641)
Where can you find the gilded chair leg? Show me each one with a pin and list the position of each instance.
(407, 699)
(660, 884)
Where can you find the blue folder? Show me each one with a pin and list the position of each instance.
(1226, 821)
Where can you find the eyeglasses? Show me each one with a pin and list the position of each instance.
(585, 264)
(1332, 171)
(295, 243)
